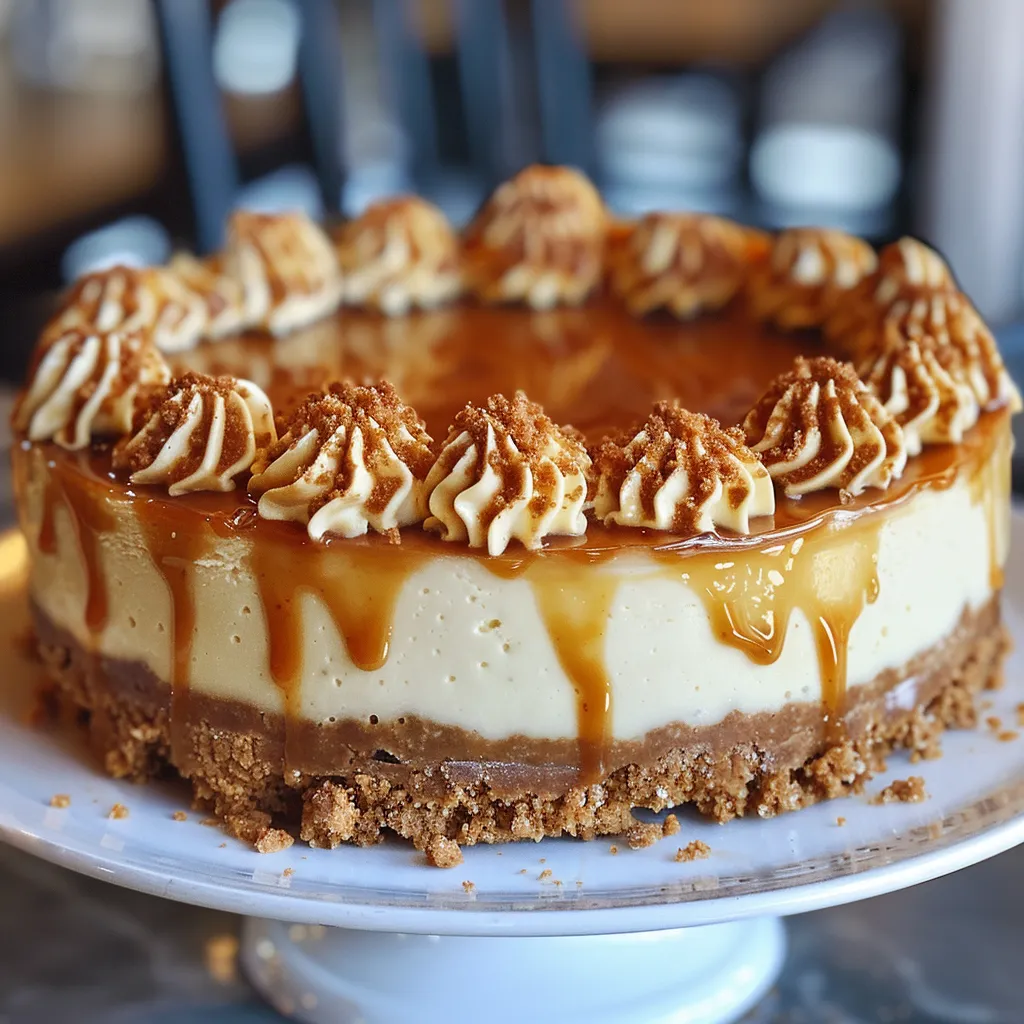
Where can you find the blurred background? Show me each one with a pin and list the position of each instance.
(131, 127)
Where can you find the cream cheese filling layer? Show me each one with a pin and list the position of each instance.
(471, 649)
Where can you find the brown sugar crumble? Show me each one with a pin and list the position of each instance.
(613, 850)
(1007, 735)
(840, 821)
(903, 791)
(468, 886)
(1020, 714)
(994, 723)
(118, 812)
(179, 816)
(670, 826)
(643, 834)
(442, 852)
(695, 850)
(273, 840)
(288, 872)
(60, 800)
(545, 874)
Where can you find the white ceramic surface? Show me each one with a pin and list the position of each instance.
(757, 868)
(708, 975)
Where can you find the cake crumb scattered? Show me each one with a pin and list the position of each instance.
(443, 852)
(613, 850)
(60, 800)
(273, 840)
(288, 872)
(222, 845)
(221, 955)
(670, 826)
(543, 860)
(904, 791)
(1007, 735)
(1020, 714)
(522, 871)
(643, 834)
(840, 821)
(179, 816)
(468, 886)
(211, 822)
(118, 812)
(545, 874)
(994, 723)
(695, 850)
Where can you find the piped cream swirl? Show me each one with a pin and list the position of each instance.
(505, 473)
(932, 403)
(819, 427)
(286, 267)
(85, 385)
(539, 239)
(399, 255)
(681, 471)
(199, 435)
(683, 262)
(127, 299)
(806, 275)
(353, 459)
(221, 294)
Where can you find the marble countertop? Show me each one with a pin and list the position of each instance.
(75, 949)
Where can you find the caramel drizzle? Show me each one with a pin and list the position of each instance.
(89, 521)
(750, 602)
(46, 539)
(991, 486)
(174, 554)
(575, 608)
(359, 592)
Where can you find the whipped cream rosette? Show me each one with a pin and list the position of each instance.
(818, 426)
(199, 434)
(681, 471)
(86, 384)
(352, 459)
(507, 472)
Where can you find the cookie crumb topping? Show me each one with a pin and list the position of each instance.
(507, 472)
(683, 472)
(350, 459)
(539, 239)
(818, 426)
(198, 434)
(86, 385)
(806, 275)
(399, 255)
(685, 263)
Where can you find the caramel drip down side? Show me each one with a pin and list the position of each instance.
(750, 601)
(575, 606)
(46, 540)
(90, 520)
(174, 554)
(358, 590)
(991, 487)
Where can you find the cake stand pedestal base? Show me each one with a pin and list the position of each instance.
(707, 975)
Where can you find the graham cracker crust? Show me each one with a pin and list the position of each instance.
(784, 761)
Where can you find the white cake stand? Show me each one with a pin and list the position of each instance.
(554, 931)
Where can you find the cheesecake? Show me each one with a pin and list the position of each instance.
(506, 533)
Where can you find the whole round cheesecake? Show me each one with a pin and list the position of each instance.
(493, 536)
